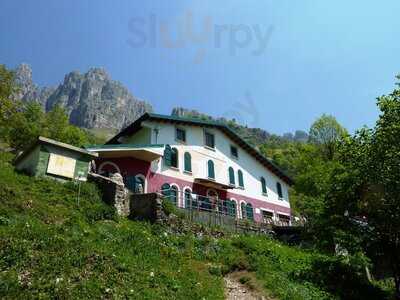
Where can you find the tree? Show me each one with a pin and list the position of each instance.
(365, 193)
(56, 123)
(327, 132)
(381, 200)
(7, 104)
(27, 123)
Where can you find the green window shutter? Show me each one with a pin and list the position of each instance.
(211, 171)
(249, 211)
(231, 176)
(188, 162)
(240, 178)
(168, 155)
(174, 157)
(263, 185)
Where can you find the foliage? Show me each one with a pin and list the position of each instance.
(30, 121)
(53, 247)
(21, 123)
(368, 188)
(7, 105)
(327, 132)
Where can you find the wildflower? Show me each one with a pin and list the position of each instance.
(151, 274)
(59, 279)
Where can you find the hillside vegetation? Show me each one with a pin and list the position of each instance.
(54, 246)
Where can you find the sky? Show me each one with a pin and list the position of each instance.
(277, 65)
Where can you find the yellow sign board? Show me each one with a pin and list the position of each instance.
(61, 165)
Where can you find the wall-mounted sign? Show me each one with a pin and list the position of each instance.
(61, 165)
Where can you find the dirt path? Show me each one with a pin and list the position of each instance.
(234, 290)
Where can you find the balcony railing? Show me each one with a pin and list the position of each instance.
(226, 208)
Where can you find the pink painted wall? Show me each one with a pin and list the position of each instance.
(132, 167)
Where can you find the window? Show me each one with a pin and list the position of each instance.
(173, 197)
(187, 162)
(267, 216)
(243, 210)
(240, 178)
(180, 135)
(131, 183)
(279, 190)
(140, 184)
(174, 157)
(171, 156)
(231, 176)
(211, 172)
(263, 186)
(249, 211)
(209, 139)
(284, 220)
(168, 155)
(188, 198)
(234, 152)
(165, 189)
(231, 205)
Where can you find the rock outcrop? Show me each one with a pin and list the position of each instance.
(92, 100)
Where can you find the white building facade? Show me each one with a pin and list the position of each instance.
(198, 160)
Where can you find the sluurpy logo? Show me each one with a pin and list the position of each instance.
(153, 32)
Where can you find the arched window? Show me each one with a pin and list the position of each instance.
(140, 184)
(249, 212)
(231, 176)
(174, 157)
(165, 189)
(188, 198)
(168, 155)
(211, 172)
(243, 210)
(231, 208)
(131, 183)
(279, 190)
(174, 195)
(240, 178)
(263, 186)
(187, 162)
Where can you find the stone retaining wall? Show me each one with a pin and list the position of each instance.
(146, 207)
(114, 192)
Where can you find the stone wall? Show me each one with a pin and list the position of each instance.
(114, 192)
(146, 207)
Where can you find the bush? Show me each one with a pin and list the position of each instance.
(340, 278)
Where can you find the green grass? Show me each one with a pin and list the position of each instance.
(51, 247)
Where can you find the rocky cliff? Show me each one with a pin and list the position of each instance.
(92, 99)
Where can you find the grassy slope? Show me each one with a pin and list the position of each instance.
(51, 247)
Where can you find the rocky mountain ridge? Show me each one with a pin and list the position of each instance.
(92, 99)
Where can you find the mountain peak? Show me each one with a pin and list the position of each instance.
(92, 99)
